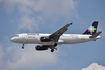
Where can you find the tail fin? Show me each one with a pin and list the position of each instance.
(92, 29)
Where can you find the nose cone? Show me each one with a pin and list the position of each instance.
(12, 39)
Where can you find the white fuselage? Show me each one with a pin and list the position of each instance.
(31, 38)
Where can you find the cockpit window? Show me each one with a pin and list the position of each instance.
(16, 35)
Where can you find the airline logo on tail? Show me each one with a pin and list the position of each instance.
(91, 29)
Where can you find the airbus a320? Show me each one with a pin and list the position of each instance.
(47, 41)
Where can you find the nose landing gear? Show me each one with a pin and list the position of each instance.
(23, 46)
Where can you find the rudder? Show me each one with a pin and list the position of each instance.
(92, 29)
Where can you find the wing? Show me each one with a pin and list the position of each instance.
(55, 36)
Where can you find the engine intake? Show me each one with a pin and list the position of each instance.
(45, 39)
(41, 47)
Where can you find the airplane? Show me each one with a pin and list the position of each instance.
(47, 41)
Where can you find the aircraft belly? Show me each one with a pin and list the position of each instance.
(47, 43)
(74, 41)
(34, 41)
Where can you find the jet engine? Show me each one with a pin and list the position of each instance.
(41, 47)
(45, 39)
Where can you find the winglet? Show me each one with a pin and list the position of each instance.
(95, 35)
(71, 23)
(68, 25)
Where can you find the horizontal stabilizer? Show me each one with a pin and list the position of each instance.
(95, 35)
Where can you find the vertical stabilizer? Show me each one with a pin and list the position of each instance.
(92, 29)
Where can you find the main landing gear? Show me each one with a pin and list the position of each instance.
(55, 44)
(53, 47)
(52, 50)
(23, 46)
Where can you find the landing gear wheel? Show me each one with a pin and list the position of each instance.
(55, 44)
(23, 46)
(52, 50)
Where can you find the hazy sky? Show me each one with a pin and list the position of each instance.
(47, 16)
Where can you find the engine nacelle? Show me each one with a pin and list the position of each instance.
(41, 47)
(45, 39)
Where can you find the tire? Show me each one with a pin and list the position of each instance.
(52, 50)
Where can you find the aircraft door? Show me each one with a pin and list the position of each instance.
(24, 38)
